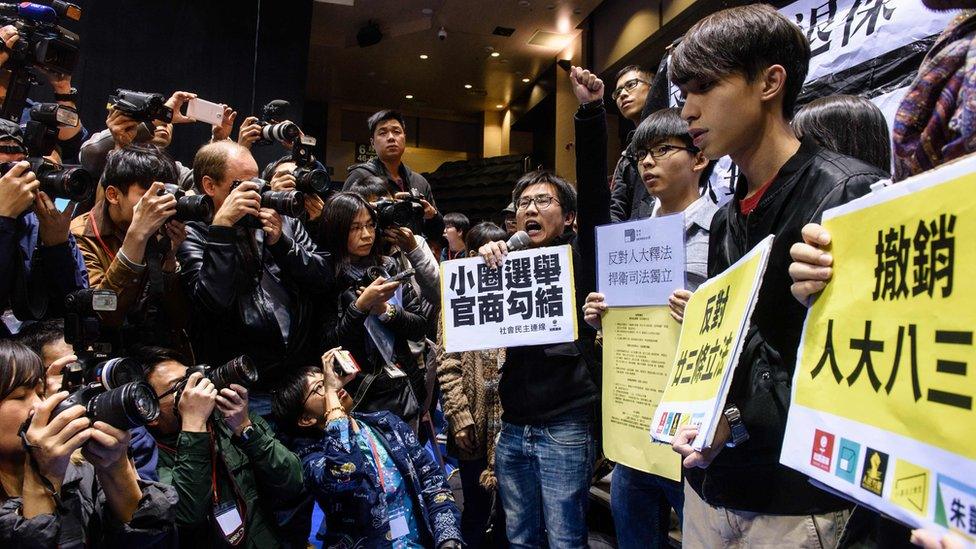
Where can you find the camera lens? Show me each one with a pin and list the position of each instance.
(290, 203)
(116, 372)
(198, 207)
(71, 182)
(239, 370)
(281, 132)
(125, 407)
(312, 181)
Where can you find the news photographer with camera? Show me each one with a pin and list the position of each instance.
(140, 118)
(253, 273)
(42, 261)
(223, 460)
(376, 320)
(388, 136)
(301, 171)
(48, 498)
(129, 241)
(368, 471)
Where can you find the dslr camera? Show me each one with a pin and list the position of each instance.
(111, 391)
(290, 203)
(69, 181)
(274, 127)
(308, 178)
(393, 213)
(238, 370)
(140, 106)
(189, 207)
(41, 131)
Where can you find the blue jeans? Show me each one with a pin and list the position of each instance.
(641, 504)
(544, 480)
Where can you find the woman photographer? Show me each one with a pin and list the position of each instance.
(51, 498)
(376, 319)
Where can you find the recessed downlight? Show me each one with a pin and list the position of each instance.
(424, 56)
(495, 54)
(408, 96)
(468, 86)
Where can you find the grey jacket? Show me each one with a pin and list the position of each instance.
(86, 520)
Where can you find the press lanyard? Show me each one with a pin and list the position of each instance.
(376, 460)
(98, 237)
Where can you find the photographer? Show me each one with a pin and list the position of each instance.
(252, 289)
(120, 239)
(122, 131)
(375, 330)
(41, 262)
(388, 136)
(227, 468)
(376, 482)
(50, 499)
(281, 175)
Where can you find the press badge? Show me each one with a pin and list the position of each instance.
(398, 526)
(394, 372)
(229, 521)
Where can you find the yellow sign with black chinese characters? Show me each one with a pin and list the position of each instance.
(715, 323)
(886, 362)
(638, 352)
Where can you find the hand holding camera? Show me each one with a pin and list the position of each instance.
(122, 127)
(108, 446)
(242, 200)
(250, 132)
(17, 188)
(232, 403)
(271, 223)
(197, 403)
(222, 131)
(53, 225)
(150, 213)
(429, 211)
(52, 440)
(402, 237)
(175, 103)
(339, 368)
(9, 37)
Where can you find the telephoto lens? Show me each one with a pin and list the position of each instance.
(282, 132)
(290, 203)
(67, 181)
(313, 180)
(116, 372)
(239, 370)
(131, 405)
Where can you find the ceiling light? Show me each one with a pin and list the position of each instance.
(423, 56)
(495, 54)
(468, 86)
(499, 106)
(408, 96)
(526, 80)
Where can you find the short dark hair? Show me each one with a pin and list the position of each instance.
(565, 192)
(629, 68)
(745, 40)
(288, 396)
(39, 334)
(371, 186)
(457, 220)
(151, 356)
(383, 116)
(270, 169)
(19, 367)
(660, 126)
(138, 165)
(849, 125)
(483, 233)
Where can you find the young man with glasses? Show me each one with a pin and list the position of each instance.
(549, 393)
(229, 470)
(629, 199)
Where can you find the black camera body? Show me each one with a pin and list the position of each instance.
(41, 131)
(274, 126)
(190, 207)
(111, 391)
(238, 370)
(396, 213)
(141, 106)
(69, 181)
(310, 179)
(290, 203)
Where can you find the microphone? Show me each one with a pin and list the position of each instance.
(518, 241)
(35, 12)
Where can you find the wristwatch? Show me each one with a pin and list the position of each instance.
(738, 429)
(246, 434)
(388, 314)
(72, 95)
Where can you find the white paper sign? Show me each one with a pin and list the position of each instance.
(529, 300)
(641, 262)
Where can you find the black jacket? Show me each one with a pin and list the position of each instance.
(542, 381)
(628, 197)
(373, 389)
(749, 477)
(433, 227)
(221, 268)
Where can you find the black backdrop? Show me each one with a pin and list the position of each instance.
(202, 46)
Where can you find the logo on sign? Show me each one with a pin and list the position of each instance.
(911, 487)
(874, 470)
(674, 425)
(847, 460)
(630, 235)
(660, 425)
(698, 419)
(823, 450)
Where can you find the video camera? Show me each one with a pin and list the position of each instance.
(69, 181)
(308, 178)
(43, 44)
(189, 207)
(395, 213)
(290, 203)
(274, 126)
(46, 120)
(141, 106)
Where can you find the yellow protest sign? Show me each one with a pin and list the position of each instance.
(715, 323)
(885, 367)
(638, 351)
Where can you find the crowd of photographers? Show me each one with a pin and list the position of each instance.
(195, 355)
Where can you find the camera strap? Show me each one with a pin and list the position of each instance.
(98, 237)
(229, 516)
(29, 448)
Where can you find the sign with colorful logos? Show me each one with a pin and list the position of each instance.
(715, 324)
(882, 407)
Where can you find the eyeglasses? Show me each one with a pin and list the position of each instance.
(317, 389)
(660, 152)
(628, 87)
(541, 201)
